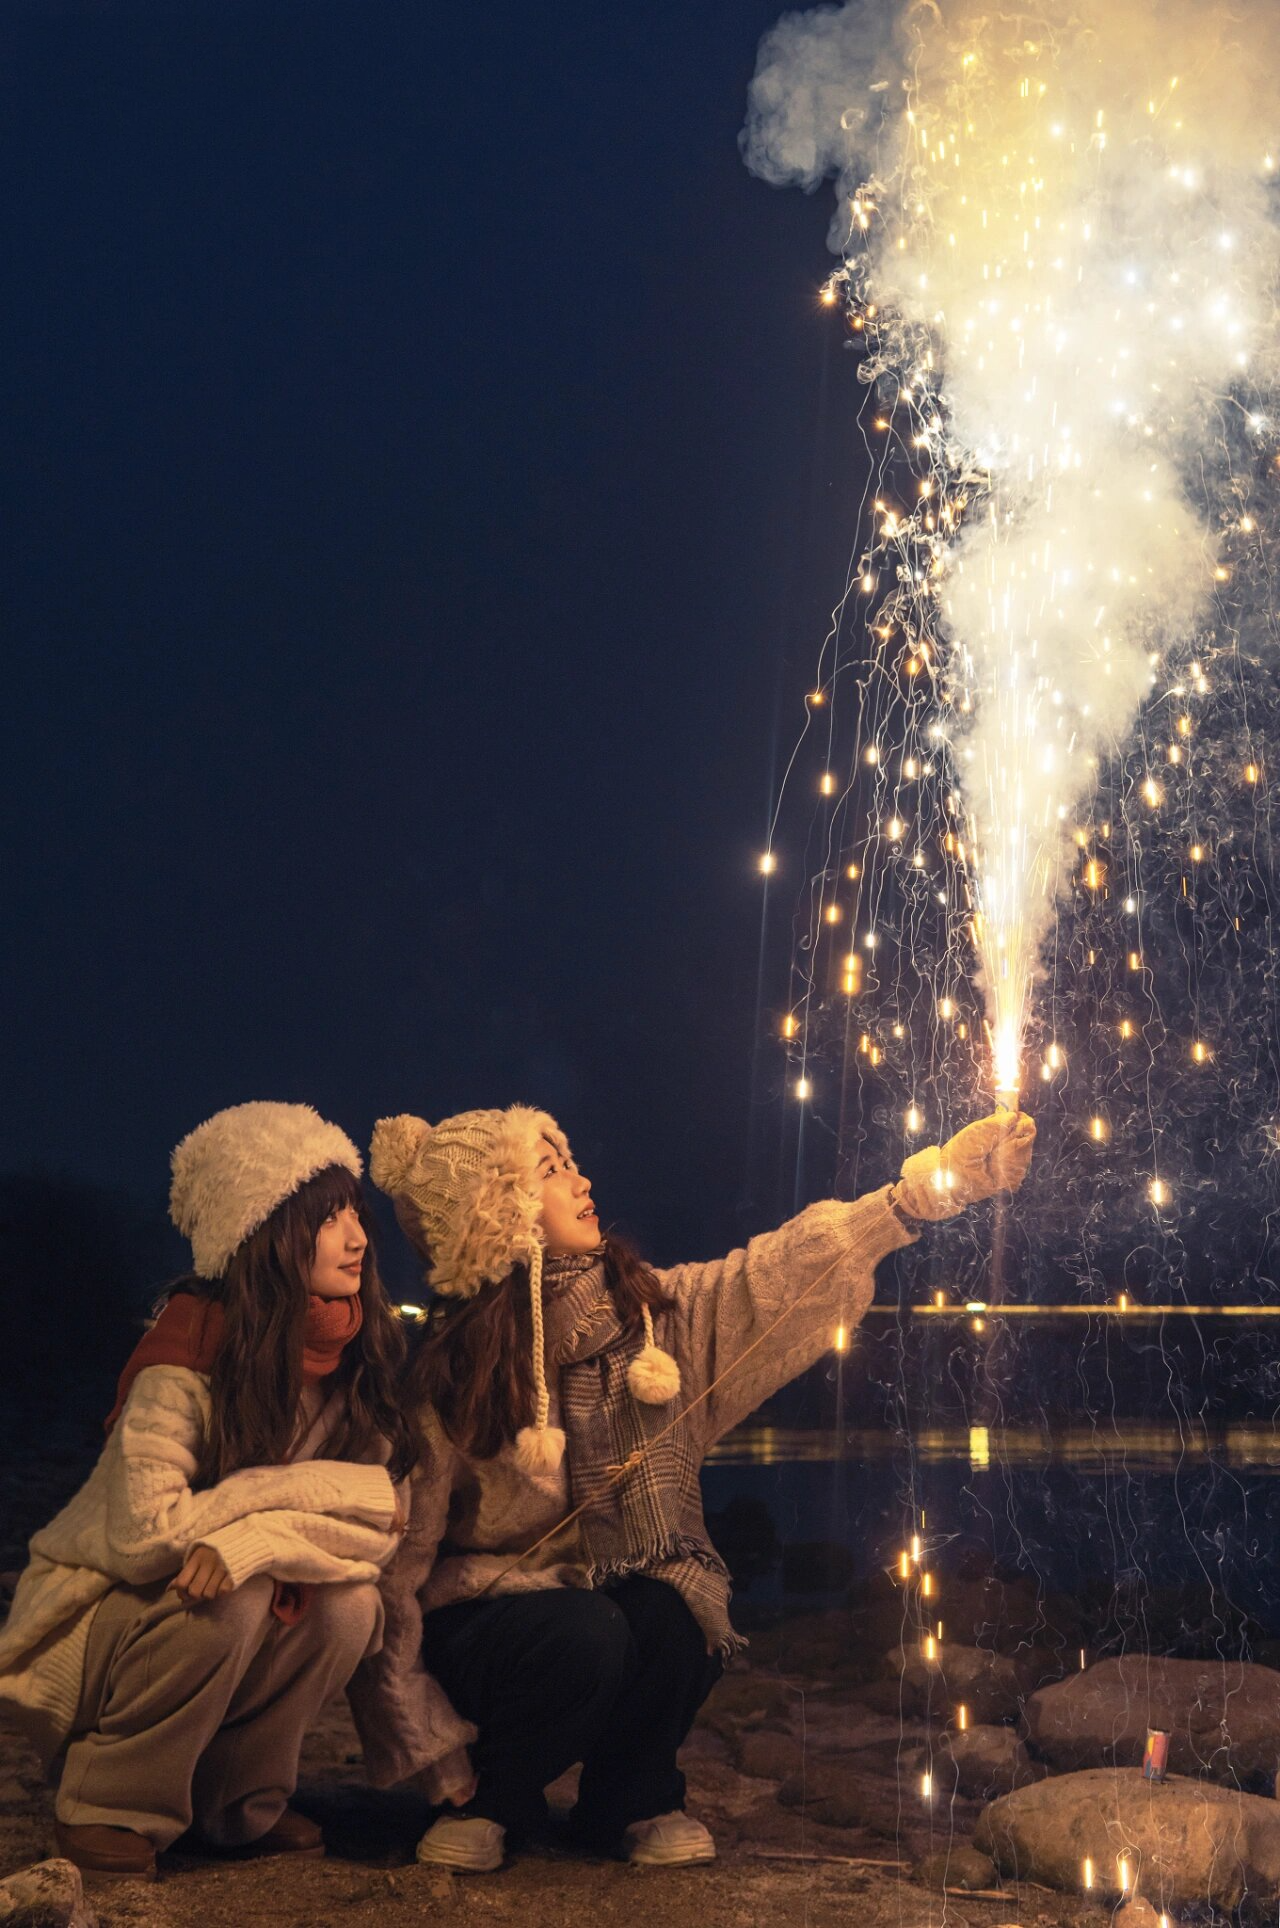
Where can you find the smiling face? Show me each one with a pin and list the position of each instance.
(339, 1256)
(569, 1221)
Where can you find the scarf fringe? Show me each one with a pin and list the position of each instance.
(677, 1546)
(597, 1304)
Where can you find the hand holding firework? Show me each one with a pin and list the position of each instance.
(989, 1156)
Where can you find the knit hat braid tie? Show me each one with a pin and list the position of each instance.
(540, 1447)
(653, 1375)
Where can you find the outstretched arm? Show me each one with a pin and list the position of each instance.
(747, 1324)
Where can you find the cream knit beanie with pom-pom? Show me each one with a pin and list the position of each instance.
(466, 1194)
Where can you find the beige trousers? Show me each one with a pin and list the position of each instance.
(199, 1713)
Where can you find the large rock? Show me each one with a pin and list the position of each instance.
(767, 1755)
(992, 1686)
(1223, 1717)
(823, 1646)
(957, 1867)
(865, 1790)
(1186, 1842)
(750, 1699)
(885, 1697)
(982, 1762)
(48, 1895)
(839, 1797)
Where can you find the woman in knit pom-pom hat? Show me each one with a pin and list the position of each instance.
(186, 1615)
(562, 1376)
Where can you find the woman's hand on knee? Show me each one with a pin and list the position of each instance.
(203, 1577)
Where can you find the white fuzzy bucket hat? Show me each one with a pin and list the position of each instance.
(466, 1195)
(231, 1172)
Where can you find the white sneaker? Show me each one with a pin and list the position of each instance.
(668, 1841)
(466, 1843)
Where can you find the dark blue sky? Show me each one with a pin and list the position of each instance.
(425, 467)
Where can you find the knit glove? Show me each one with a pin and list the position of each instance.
(991, 1155)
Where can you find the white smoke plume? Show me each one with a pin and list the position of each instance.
(1064, 225)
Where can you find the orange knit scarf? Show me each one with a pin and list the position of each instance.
(188, 1332)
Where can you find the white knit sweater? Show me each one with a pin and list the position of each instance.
(136, 1518)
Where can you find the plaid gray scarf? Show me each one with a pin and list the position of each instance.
(650, 1521)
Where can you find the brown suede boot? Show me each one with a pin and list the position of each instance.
(107, 1854)
(292, 1833)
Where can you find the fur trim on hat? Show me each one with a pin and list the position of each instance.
(231, 1172)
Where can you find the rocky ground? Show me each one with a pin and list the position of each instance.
(809, 1765)
(763, 1736)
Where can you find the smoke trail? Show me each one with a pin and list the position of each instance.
(1058, 228)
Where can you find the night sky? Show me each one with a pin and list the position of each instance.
(427, 474)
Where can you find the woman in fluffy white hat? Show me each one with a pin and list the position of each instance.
(186, 1615)
(519, 1640)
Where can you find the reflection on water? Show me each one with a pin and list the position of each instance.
(1119, 1446)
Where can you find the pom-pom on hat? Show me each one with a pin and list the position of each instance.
(231, 1172)
(467, 1196)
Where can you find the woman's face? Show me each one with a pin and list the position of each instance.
(569, 1222)
(339, 1256)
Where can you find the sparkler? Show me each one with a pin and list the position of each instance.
(1061, 265)
(1006, 1077)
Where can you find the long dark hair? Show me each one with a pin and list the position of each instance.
(475, 1364)
(256, 1380)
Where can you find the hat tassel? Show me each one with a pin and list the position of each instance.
(539, 1448)
(653, 1375)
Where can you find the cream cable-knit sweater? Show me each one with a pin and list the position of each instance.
(469, 1517)
(136, 1518)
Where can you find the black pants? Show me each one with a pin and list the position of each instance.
(612, 1679)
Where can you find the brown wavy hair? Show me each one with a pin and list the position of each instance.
(475, 1363)
(255, 1384)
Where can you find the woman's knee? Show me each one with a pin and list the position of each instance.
(659, 1616)
(349, 1614)
(237, 1620)
(601, 1638)
(584, 1636)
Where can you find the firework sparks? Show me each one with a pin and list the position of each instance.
(1061, 265)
